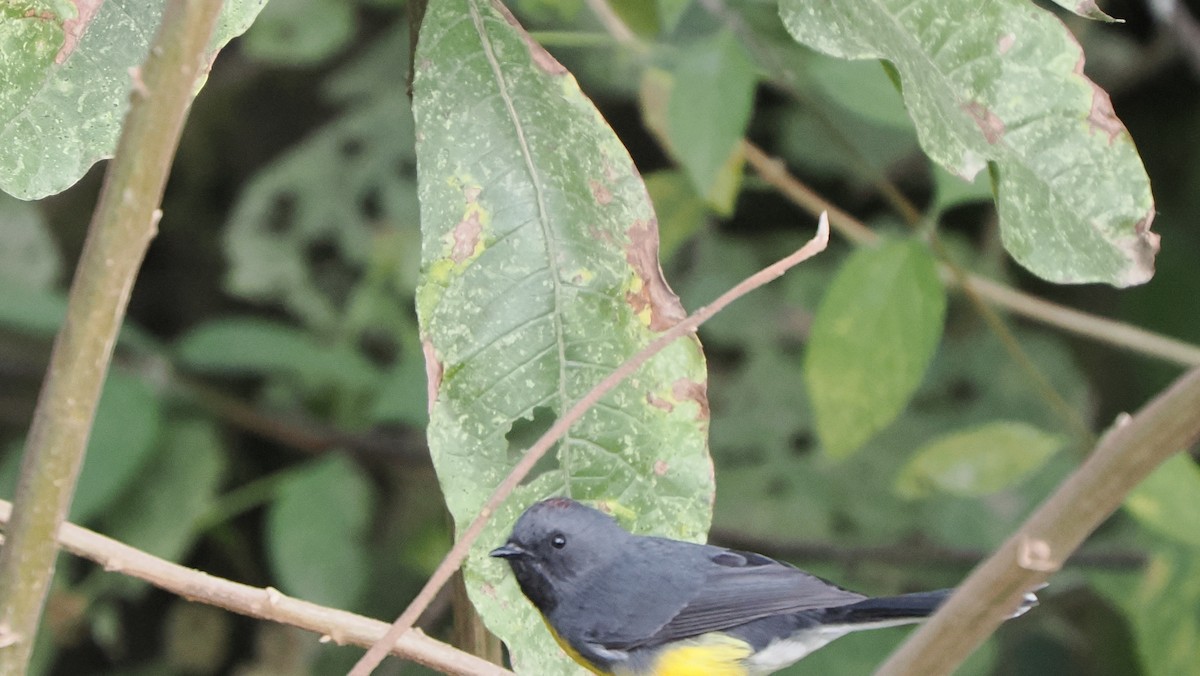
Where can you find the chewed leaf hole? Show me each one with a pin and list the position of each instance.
(351, 148)
(282, 216)
(370, 205)
(524, 432)
(802, 443)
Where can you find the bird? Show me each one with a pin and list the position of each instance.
(632, 605)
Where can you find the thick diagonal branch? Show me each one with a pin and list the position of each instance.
(1132, 449)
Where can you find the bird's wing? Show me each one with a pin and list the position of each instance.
(740, 587)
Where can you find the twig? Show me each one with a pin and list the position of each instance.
(1090, 326)
(125, 220)
(300, 433)
(1173, 16)
(615, 26)
(999, 328)
(1130, 450)
(458, 553)
(781, 76)
(266, 604)
(566, 38)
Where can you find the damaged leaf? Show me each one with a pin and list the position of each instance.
(540, 275)
(1000, 85)
(66, 71)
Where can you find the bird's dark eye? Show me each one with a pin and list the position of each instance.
(558, 541)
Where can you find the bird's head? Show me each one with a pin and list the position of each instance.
(556, 542)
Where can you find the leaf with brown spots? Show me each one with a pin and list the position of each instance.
(650, 297)
(685, 389)
(74, 27)
(1000, 85)
(990, 125)
(540, 276)
(466, 237)
(64, 96)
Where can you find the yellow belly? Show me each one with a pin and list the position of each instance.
(708, 655)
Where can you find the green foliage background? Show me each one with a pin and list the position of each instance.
(265, 419)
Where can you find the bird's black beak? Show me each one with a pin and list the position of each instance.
(508, 551)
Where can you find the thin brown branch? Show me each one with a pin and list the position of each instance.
(302, 434)
(1174, 18)
(614, 25)
(125, 220)
(999, 328)
(1100, 329)
(342, 627)
(775, 172)
(1130, 450)
(783, 76)
(1096, 328)
(458, 553)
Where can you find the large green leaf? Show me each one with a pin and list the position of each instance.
(65, 68)
(258, 346)
(317, 532)
(127, 424)
(1163, 609)
(122, 439)
(709, 106)
(540, 276)
(1000, 84)
(977, 461)
(1168, 501)
(871, 340)
(159, 512)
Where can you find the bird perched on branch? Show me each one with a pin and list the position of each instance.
(630, 605)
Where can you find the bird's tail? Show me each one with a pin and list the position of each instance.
(903, 609)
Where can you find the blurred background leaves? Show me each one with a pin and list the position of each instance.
(264, 419)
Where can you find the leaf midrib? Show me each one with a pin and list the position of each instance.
(551, 244)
